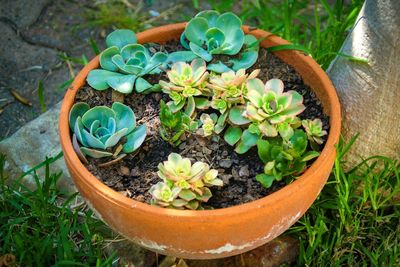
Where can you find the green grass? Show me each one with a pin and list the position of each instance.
(356, 219)
(44, 227)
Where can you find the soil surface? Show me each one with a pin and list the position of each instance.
(136, 173)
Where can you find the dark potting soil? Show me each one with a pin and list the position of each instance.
(137, 172)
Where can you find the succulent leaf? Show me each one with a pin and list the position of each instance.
(77, 110)
(120, 38)
(236, 116)
(94, 153)
(106, 58)
(232, 135)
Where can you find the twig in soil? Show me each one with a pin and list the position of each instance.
(5, 105)
(111, 162)
(20, 98)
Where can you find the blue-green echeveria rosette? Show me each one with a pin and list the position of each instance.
(124, 63)
(211, 33)
(100, 128)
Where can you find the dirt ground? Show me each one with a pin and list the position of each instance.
(35, 35)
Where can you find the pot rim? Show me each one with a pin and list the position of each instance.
(326, 156)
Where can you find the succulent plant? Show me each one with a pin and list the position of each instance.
(100, 128)
(185, 81)
(314, 130)
(283, 158)
(229, 88)
(208, 122)
(269, 102)
(211, 33)
(184, 184)
(124, 63)
(163, 195)
(175, 124)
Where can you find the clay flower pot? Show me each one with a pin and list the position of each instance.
(212, 233)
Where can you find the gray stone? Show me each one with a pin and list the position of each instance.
(244, 171)
(225, 163)
(23, 12)
(30, 145)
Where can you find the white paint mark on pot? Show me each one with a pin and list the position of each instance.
(228, 248)
(274, 232)
(152, 245)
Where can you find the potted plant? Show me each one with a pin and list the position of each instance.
(213, 80)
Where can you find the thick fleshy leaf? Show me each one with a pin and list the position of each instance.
(98, 78)
(78, 128)
(77, 149)
(198, 66)
(190, 106)
(187, 195)
(206, 194)
(195, 31)
(112, 125)
(210, 15)
(216, 34)
(252, 113)
(265, 179)
(120, 38)
(92, 141)
(264, 148)
(95, 125)
(123, 84)
(104, 138)
(255, 91)
(247, 59)
(114, 138)
(193, 205)
(232, 135)
(106, 58)
(218, 67)
(299, 142)
(179, 56)
(77, 110)
(184, 41)
(285, 130)
(247, 141)
(127, 69)
(276, 85)
(228, 23)
(156, 60)
(202, 103)
(176, 107)
(201, 52)
(101, 113)
(309, 156)
(142, 85)
(233, 44)
(177, 203)
(125, 117)
(267, 129)
(135, 139)
(236, 116)
(130, 50)
(95, 153)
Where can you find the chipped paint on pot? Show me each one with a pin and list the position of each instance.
(215, 233)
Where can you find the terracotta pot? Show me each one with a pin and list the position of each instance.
(212, 233)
